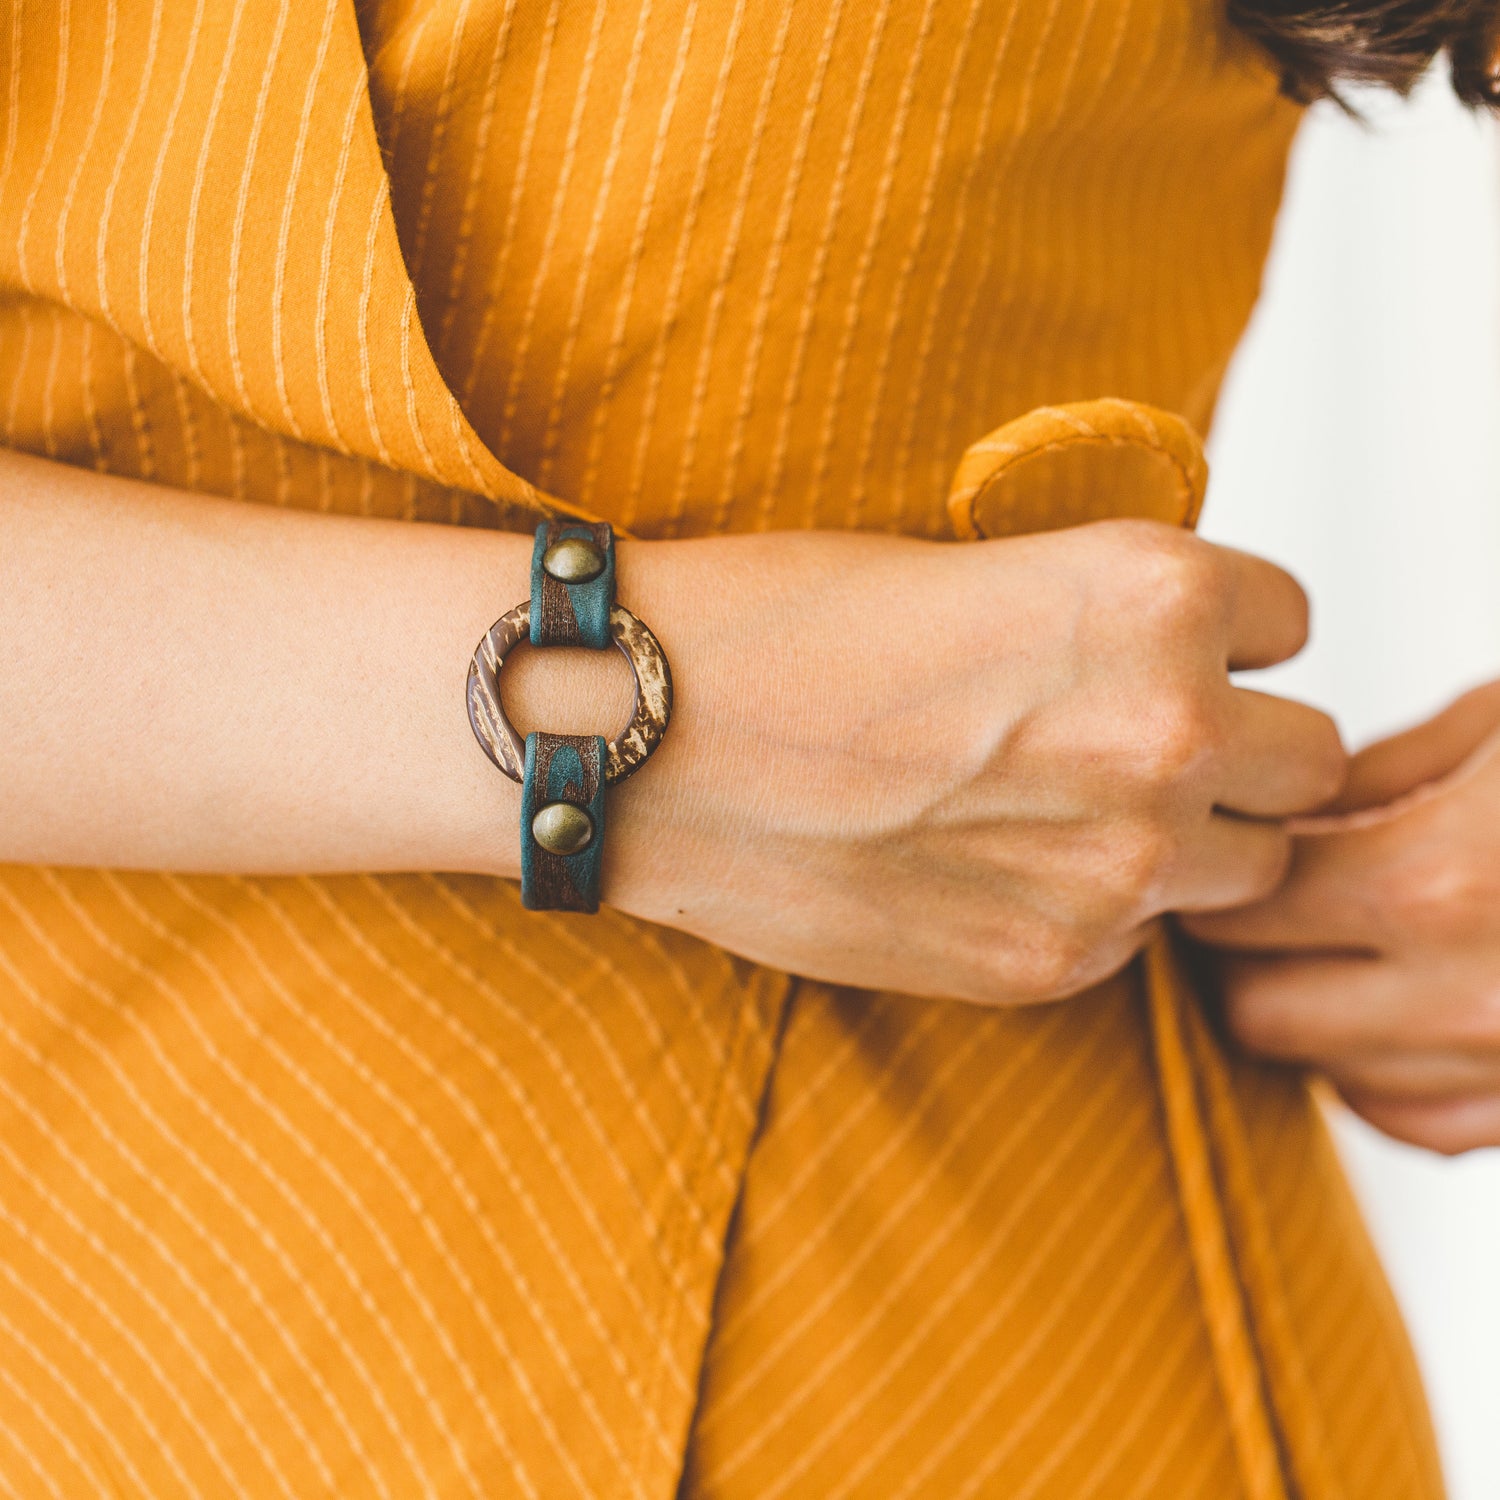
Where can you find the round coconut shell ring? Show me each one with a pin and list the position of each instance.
(628, 751)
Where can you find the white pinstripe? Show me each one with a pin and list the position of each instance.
(107, 208)
(106, 1433)
(284, 233)
(43, 1418)
(148, 218)
(54, 128)
(719, 296)
(241, 205)
(101, 97)
(200, 177)
(63, 1023)
(756, 1437)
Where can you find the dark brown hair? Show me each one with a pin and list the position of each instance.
(1320, 44)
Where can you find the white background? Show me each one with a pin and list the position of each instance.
(1359, 445)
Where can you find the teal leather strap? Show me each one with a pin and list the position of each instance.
(563, 776)
(562, 794)
(572, 584)
(562, 822)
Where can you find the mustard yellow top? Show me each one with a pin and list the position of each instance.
(383, 1187)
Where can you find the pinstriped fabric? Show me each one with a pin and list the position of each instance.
(379, 1186)
(330, 1205)
(813, 1384)
(213, 110)
(1002, 1312)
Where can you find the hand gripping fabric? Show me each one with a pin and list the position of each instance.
(563, 776)
(1067, 465)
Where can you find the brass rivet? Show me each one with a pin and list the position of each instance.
(573, 560)
(561, 828)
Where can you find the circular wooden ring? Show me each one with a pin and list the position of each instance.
(628, 751)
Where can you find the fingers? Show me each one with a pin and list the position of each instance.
(1449, 1126)
(1280, 757)
(1326, 901)
(1312, 1010)
(1268, 611)
(1359, 1020)
(1233, 861)
(1393, 767)
(1390, 1039)
(1411, 1075)
(1361, 1017)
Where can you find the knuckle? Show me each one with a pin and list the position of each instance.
(1438, 896)
(1138, 860)
(1472, 1025)
(1174, 581)
(1176, 736)
(1053, 962)
(1134, 535)
(1259, 1024)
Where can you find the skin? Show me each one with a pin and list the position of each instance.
(979, 771)
(1378, 961)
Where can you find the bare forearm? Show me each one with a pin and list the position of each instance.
(199, 684)
(978, 771)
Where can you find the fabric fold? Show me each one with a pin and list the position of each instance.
(1109, 459)
(237, 224)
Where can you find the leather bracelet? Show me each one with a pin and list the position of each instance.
(564, 776)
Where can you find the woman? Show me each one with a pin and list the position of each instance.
(328, 1182)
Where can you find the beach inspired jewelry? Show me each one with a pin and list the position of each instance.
(563, 776)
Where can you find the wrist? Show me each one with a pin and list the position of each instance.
(536, 712)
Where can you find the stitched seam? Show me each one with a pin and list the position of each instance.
(713, 1155)
(672, 1306)
(1077, 440)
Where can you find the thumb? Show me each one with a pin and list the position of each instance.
(1393, 767)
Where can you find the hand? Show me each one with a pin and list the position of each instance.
(972, 770)
(976, 771)
(1378, 962)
